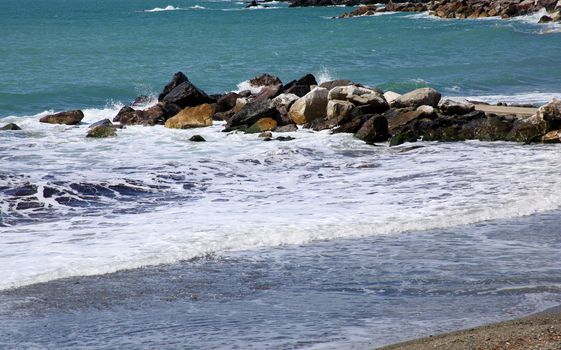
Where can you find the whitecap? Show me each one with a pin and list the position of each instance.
(167, 8)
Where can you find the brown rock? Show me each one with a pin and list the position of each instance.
(312, 106)
(263, 124)
(192, 117)
(67, 118)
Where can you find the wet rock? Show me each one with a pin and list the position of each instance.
(197, 138)
(157, 114)
(528, 130)
(66, 118)
(192, 117)
(266, 134)
(223, 116)
(10, 126)
(287, 128)
(450, 107)
(251, 113)
(269, 92)
(312, 106)
(403, 137)
(263, 124)
(418, 97)
(545, 19)
(240, 103)
(373, 130)
(187, 94)
(102, 131)
(103, 122)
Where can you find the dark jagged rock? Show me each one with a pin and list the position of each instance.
(67, 118)
(301, 86)
(251, 113)
(10, 126)
(374, 129)
(197, 138)
(102, 131)
(177, 79)
(265, 80)
(187, 94)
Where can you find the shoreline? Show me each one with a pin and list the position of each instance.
(541, 330)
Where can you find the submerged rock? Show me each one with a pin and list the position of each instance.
(192, 117)
(10, 126)
(197, 138)
(102, 131)
(66, 118)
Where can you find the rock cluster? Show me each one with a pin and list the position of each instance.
(468, 8)
(340, 106)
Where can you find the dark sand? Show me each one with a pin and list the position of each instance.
(537, 332)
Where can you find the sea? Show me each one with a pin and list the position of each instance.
(150, 241)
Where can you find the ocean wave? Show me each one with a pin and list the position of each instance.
(167, 8)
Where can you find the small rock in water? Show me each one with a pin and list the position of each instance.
(67, 118)
(263, 124)
(285, 138)
(197, 138)
(287, 128)
(266, 134)
(102, 131)
(11, 126)
(104, 122)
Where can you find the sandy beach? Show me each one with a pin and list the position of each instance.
(540, 331)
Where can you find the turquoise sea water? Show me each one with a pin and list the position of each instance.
(64, 54)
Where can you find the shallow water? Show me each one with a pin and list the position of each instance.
(338, 294)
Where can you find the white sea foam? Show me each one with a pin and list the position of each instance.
(522, 98)
(239, 192)
(324, 75)
(197, 7)
(167, 8)
(246, 85)
(539, 28)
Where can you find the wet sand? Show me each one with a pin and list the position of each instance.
(541, 331)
